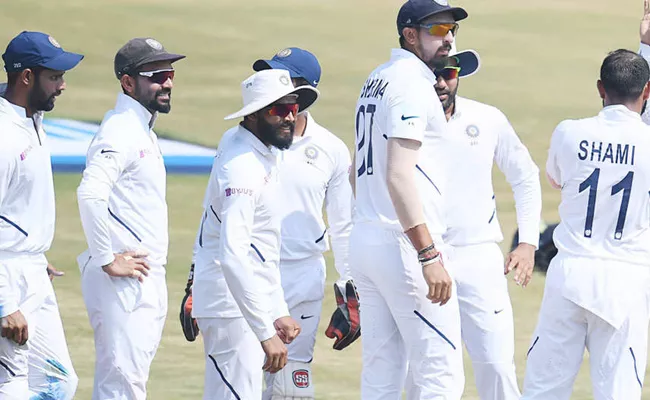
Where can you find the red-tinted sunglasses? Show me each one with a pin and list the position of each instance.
(160, 76)
(282, 110)
(447, 73)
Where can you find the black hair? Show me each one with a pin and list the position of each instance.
(301, 82)
(624, 75)
(12, 77)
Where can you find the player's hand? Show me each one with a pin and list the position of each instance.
(14, 327)
(439, 283)
(287, 329)
(276, 354)
(53, 272)
(130, 264)
(522, 259)
(644, 30)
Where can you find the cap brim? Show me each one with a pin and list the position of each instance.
(307, 96)
(261, 65)
(160, 57)
(469, 62)
(63, 62)
(458, 13)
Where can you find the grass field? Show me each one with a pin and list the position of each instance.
(540, 64)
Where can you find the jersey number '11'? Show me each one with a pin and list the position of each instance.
(364, 121)
(592, 183)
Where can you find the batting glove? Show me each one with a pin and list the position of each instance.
(188, 324)
(344, 325)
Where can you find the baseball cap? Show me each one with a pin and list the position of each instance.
(37, 49)
(414, 11)
(139, 51)
(300, 64)
(468, 60)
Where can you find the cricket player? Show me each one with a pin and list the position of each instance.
(34, 359)
(238, 299)
(313, 175)
(124, 216)
(597, 288)
(483, 136)
(399, 262)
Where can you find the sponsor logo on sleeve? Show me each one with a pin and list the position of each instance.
(238, 192)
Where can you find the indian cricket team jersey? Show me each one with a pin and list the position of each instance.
(483, 137)
(236, 269)
(27, 212)
(603, 166)
(398, 100)
(314, 174)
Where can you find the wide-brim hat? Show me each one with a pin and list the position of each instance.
(268, 86)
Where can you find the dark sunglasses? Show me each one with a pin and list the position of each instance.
(159, 76)
(282, 110)
(447, 73)
(440, 29)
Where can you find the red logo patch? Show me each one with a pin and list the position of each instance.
(301, 378)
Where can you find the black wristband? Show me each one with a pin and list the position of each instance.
(430, 247)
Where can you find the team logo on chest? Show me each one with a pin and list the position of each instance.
(311, 153)
(473, 132)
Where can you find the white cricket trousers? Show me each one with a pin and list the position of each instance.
(127, 317)
(400, 327)
(617, 357)
(41, 369)
(233, 359)
(303, 283)
(486, 319)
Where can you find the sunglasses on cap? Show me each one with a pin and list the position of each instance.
(159, 76)
(440, 29)
(282, 110)
(447, 73)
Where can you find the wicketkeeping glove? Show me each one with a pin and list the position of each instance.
(344, 324)
(189, 325)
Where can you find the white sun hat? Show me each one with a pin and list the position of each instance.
(268, 86)
(468, 60)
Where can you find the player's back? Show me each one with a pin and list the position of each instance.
(603, 166)
(398, 100)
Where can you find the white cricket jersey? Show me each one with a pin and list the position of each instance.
(122, 193)
(27, 212)
(603, 166)
(314, 172)
(398, 100)
(644, 51)
(237, 263)
(483, 136)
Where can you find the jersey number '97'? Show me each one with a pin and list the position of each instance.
(592, 183)
(364, 121)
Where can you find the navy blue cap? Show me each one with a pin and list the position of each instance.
(300, 64)
(36, 49)
(415, 11)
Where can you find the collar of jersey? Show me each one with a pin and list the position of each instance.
(18, 114)
(256, 143)
(619, 112)
(397, 54)
(125, 103)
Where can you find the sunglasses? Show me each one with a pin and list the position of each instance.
(441, 29)
(447, 73)
(282, 110)
(159, 76)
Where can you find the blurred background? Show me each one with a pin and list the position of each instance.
(540, 63)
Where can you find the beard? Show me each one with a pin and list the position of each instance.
(438, 60)
(39, 100)
(155, 103)
(450, 100)
(274, 134)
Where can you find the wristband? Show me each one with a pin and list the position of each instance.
(430, 247)
(431, 260)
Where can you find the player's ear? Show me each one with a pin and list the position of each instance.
(128, 83)
(410, 35)
(601, 89)
(646, 91)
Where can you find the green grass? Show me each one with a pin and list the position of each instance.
(540, 65)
